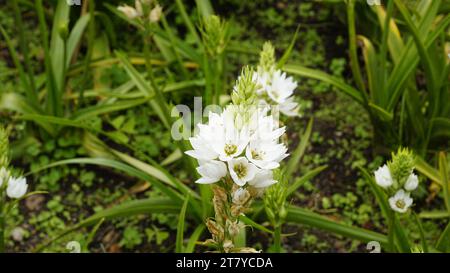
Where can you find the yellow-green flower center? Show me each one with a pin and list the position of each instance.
(400, 204)
(256, 155)
(230, 149)
(240, 170)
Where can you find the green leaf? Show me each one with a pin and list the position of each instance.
(423, 167)
(194, 238)
(75, 36)
(175, 196)
(180, 227)
(57, 47)
(299, 151)
(15, 102)
(288, 51)
(442, 243)
(205, 8)
(99, 109)
(309, 175)
(322, 76)
(440, 127)
(253, 224)
(156, 172)
(302, 216)
(135, 207)
(445, 181)
(381, 113)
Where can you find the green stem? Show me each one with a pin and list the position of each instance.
(2, 224)
(90, 49)
(422, 233)
(31, 93)
(277, 238)
(218, 72)
(356, 70)
(391, 231)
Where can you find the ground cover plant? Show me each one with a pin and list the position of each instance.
(224, 126)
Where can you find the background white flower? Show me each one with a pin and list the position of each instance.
(383, 176)
(401, 201)
(211, 172)
(412, 182)
(17, 187)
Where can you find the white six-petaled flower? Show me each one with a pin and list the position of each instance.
(401, 201)
(211, 172)
(241, 170)
(17, 187)
(383, 177)
(279, 89)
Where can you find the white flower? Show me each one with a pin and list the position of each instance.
(262, 80)
(231, 142)
(129, 12)
(241, 170)
(279, 88)
(289, 107)
(266, 155)
(263, 179)
(383, 176)
(3, 175)
(240, 196)
(203, 142)
(265, 128)
(401, 201)
(412, 182)
(211, 172)
(17, 187)
(155, 14)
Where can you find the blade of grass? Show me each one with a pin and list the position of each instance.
(180, 227)
(322, 76)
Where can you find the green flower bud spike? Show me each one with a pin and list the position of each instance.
(401, 165)
(267, 57)
(215, 34)
(244, 92)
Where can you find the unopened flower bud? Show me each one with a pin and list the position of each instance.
(63, 30)
(128, 11)
(155, 14)
(412, 182)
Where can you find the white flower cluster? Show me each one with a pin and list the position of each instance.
(274, 87)
(243, 149)
(402, 200)
(139, 10)
(16, 187)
